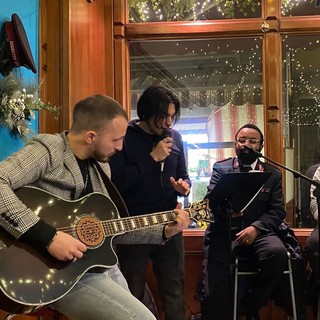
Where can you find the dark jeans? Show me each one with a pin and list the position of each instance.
(168, 267)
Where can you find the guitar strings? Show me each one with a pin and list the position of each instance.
(133, 223)
(121, 225)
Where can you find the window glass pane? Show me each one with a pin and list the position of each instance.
(219, 83)
(300, 7)
(301, 103)
(191, 10)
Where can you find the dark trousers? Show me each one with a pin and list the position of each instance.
(312, 250)
(271, 256)
(168, 267)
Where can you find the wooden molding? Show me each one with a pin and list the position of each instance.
(190, 29)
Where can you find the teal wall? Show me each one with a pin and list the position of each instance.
(28, 11)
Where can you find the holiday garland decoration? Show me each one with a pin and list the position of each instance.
(18, 104)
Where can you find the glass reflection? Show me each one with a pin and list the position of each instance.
(300, 7)
(219, 83)
(301, 101)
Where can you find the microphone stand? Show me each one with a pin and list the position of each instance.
(316, 193)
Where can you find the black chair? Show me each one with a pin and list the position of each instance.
(240, 270)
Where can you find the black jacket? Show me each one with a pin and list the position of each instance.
(139, 179)
(266, 212)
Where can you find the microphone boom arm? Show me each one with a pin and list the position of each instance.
(295, 173)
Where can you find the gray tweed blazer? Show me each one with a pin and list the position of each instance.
(48, 163)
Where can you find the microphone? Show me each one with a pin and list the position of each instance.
(165, 133)
(257, 153)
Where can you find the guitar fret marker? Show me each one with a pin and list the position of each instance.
(115, 226)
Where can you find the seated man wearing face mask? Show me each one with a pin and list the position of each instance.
(259, 233)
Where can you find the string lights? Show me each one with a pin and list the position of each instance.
(225, 74)
(303, 83)
(288, 5)
(219, 72)
(192, 10)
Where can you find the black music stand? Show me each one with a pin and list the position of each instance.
(232, 194)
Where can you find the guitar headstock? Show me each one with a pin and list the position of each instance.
(200, 211)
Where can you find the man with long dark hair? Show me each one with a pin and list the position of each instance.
(150, 172)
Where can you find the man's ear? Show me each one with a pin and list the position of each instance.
(261, 147)
(89, 136)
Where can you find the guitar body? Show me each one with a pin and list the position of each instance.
(30, 277)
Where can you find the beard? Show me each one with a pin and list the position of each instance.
(246, 156)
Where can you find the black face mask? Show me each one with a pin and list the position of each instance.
(246, 156)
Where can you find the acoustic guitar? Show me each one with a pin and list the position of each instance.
(29, 277)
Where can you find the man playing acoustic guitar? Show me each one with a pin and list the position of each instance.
(62, 256)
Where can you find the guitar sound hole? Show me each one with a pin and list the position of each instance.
(90, 231)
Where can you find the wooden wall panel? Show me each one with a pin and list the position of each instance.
(122, 74)
(121, 55)
(271, 8)
(300, 25)
(191, 30)
(272, 76)
(109, 45)
(87, 49)
(76, 54)
(50, 62)
(73, 54)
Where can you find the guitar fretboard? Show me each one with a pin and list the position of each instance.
(117, 226)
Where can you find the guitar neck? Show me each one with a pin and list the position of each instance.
(118, 226)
